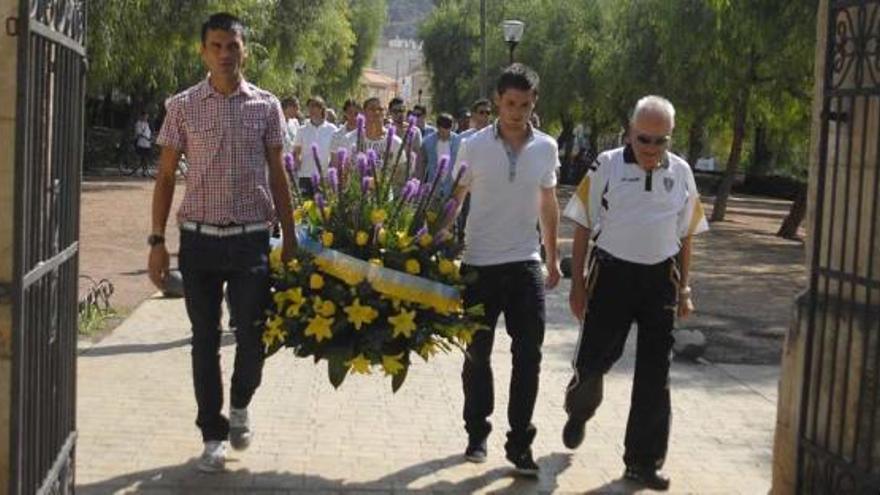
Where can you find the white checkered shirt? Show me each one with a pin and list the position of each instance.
(225, 139)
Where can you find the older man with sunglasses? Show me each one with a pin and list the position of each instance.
(639, 206)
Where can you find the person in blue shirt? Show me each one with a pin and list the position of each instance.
(436, 145)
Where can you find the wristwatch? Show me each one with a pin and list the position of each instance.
(155, 239)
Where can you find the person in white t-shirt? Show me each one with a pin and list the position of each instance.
(350, 111)
(317, 132)
(511, 177)
(290, 106)
(639, 206)
(143, 144)
(375, 134)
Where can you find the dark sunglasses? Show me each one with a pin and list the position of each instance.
(653, 140)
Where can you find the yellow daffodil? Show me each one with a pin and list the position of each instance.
(327, 239)
(360, 364)
(378, 216)
(324, 308)
(298, 215)
(403, 323)
(382, 236)
(362, 238)
(328, 211)
(426, 240)
(308, 206)
(428, 349)
(316, 281)
(293, 310)
(319, 327)
(466, 336)
(403, 240)
(431, 217)
(446, 266)
(412, 266)
(274, 331)
(275, 261)
(392, 364)
(358, 314)
(294, 265)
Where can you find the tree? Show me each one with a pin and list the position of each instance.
(148, 50)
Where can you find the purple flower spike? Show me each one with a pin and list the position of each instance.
(315, 150)
(450, 208)
(412, 121)
(288, 163)
(362, 164)
(422, 231)
(361, 122)
(316, 181)
(444, 166)
(410, 132)
(462, 169)
(366, 183)
(392, 131)
(342, 155)
(319, 200)
(409, 190)
(333, 177)
(372, 157)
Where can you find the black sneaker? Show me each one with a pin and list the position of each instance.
(648, 477)
(476, 451)
(524, 463)
(573, 432)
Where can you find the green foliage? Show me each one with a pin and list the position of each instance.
(596, 57)
(149, 50)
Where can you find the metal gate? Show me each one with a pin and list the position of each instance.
(49, 148)
(839, 440)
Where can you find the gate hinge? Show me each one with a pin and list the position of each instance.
(12, 26)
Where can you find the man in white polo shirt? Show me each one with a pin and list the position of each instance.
(639, 206)
(511, 177)
(316, 131)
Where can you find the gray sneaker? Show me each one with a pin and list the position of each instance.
(239, 429)
(213, 459)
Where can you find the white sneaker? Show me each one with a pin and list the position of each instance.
(213, 459)
(239, 429)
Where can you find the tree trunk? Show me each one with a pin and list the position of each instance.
(695, 140)
(739, 132)
(566, 143)
(789, 227)
(762, 155)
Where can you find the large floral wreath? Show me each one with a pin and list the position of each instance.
(373, 280)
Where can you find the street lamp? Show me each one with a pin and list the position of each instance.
(513, 33)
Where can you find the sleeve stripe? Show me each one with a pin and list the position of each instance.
(697, 216)
(583, 195)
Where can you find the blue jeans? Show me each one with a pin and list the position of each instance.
(517, 290)
(206, 263)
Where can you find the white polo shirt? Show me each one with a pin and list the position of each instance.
(505, 193)
(377, 145)
(635, 215)
(308, 134)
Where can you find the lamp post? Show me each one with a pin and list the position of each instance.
(299, 68)
(513, 32)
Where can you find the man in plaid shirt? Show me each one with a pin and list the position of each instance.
(232, 133)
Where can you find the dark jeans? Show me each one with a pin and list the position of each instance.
(517, 290)
(625, 292)
(206, 263)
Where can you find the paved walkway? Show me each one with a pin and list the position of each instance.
(136, 412)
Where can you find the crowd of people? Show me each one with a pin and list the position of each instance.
(635, 213)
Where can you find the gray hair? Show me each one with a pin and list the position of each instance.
(654, 104)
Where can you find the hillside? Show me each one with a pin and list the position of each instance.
(404, 17)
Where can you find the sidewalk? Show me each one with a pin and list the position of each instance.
(136, 412)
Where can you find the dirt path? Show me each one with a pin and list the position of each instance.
(744, 277)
